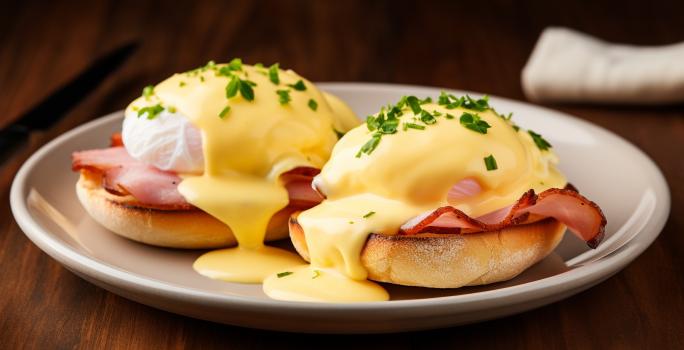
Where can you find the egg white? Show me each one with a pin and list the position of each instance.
(169, 141)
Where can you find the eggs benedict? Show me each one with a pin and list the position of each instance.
(216, 156)
(441, 194)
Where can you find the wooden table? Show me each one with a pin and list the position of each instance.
(474, 46)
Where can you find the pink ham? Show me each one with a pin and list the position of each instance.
(298, 184)
(124, 175)
(582, 216)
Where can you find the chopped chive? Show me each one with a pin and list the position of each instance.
(246, 90)
(449, 116)
(389, 126)
(181, 84)
(224, 71)
(427, 118)
(368, 214)
(232, 87)
(414, 103)
(283, 274)
(313, 104)
(450, 101)
(372, 123)
(235, 64)
(316, 273)
(541, 143)
(369, 146)
(172, 109)
(148, 91)
(224, 112)
(413, 126)
(480, 105)
(299, 85)
(283, 96)
(273, 74)
(151, 111)
(202, 78)
(474, 122)
(490, 163)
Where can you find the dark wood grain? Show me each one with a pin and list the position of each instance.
(472, 45)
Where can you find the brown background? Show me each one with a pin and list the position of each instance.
(469, 45)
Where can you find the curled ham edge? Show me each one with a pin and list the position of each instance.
(119, 170)
(582, 216)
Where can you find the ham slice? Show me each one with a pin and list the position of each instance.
(298, 184)
(155, 188)
(124, 175)
(582, 216)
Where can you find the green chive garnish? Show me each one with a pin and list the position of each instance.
(283, 96)
(299, 85)
(283, 274)
(313, 104)
(224, 112)
(490, 163)
(480, 105)
(414, 126)
(235, 64)
(427, 118)
(368, 214)
(232, 87)
(541, 143)
(474, 123)
(151, 111)
(369, 146)
(273, 74)
(246, 90)
(148, 91)
(414, 103)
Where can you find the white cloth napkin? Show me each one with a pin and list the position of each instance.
(569, 66)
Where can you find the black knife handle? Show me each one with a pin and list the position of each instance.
(11, 137)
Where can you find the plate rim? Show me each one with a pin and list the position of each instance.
(574, 279)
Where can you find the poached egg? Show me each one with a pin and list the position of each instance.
(230, 130)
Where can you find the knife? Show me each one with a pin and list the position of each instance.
(51, 109)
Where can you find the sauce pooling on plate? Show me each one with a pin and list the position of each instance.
(401, 164)
(256, 123)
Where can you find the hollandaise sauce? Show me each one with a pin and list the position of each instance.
(402, 164)
(256, 123)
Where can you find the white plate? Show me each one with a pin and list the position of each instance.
(607, 169)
